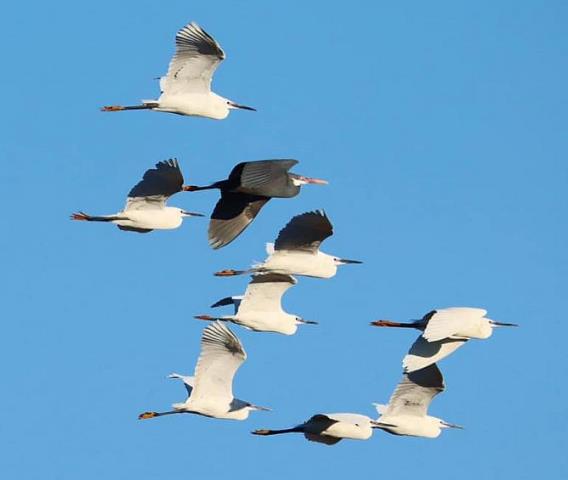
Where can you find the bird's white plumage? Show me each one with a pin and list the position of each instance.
(414, 393)
(407, 410)
(423, 353)
(221, 356)
(192, 67)
(447, 322)
(265, 296)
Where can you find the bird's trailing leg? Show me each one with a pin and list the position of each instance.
(82, 216)
(147, 415)
(118, 108)
(388, 323)
(230, 272)
(209, 318)
(265, 431)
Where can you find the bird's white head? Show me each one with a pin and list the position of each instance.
(220, 107)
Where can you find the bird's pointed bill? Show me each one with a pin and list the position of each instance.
(314, 181)
(307, 322)
(241, 107)
(345, 261)
(451, 425)
(258, 407)
(501, 324)
(185, 213)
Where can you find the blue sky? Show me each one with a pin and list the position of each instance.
(441, 127)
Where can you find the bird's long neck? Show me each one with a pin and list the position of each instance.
(266, 432)
(196, 188)
(387, 323)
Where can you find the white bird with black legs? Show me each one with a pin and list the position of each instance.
(186, 88)
(210, 390)
(444, 331)
(146, 208)
(407, 410)
(329, 428)
(296, 250)
(260, 309)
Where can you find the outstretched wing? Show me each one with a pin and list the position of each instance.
(267, 178)
(192, 67)
(415, 392)
(221, 356)
(448, 321)
(233, 213)
(423, 353)
(156, 186)
(187, 381)
(264, 292)
(305, 232)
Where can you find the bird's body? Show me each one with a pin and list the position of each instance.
(186, 88)
(296, 250)
(260, 309)
(300, 262)
(146, 208)
(330, 428)
(248, 188)
(407, 410)
(444, 331)
(210, 391)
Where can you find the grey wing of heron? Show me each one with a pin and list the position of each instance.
(414, 393)
(305, 232)
(233, 213)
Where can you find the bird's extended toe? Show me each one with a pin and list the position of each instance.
(80, 216)
(146, 415)
(112, 108)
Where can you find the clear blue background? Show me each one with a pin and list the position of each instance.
(441, 127)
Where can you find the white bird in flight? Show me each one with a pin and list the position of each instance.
(260, 309)
(146, 208)
(210, 391)
(186, 88)
(296, 250)
(444, 331)
(407, 410)
(330, 428)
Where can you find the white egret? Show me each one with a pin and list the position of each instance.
(146, 208)
(296, 250)
(444, 331)
(407, 410)
(210, 391)
(260, 309)
(186, 88)
(330, 428)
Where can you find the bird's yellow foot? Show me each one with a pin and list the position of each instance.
(79, 216)
(112, 108)
(226, 273)
(146, 415)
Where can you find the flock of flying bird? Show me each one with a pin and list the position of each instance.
(186, 90)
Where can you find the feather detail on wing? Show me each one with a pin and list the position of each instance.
(192, 67)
